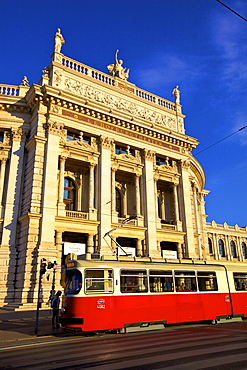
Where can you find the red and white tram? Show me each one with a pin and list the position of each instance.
(116, 294)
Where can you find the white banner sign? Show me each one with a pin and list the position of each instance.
(75, 248)
(169, 254)
(130, 251)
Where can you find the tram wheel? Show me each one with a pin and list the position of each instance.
(213, 322)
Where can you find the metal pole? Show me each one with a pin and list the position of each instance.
(38, 304)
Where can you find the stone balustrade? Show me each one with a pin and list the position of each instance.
(105, 78)
(224, 226)
(9, 90)
(76, 214)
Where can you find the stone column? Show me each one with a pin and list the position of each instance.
(197, 222)
(61, 205)
(162, 205)
(228, 248)
(175, 195)
(186, 209)
(49, 190)
(105, 192)
(239, 249)
(139, 248)
(2, 177)
(113, 196)
(216, 247)
(10, 214)
(138, 200)
(11, 211)
(91, 186)
(180, 251)
(125, 214)
(90, 246)
(149, 204)
(156, 198)
(92, 210)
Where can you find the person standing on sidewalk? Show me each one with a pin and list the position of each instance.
(55, 303)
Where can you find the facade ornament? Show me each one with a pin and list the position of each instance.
(59, 41)
(106, 142)
(117, 70)
(25, 82)
(54, 128)
(19, 134)
(149, 155)
(57, 77)
(176, 94)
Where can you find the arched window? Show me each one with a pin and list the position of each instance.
(118, 203)
(210, 247)
(221, 248)
(233, 249)
(244, 250)
(69, 194)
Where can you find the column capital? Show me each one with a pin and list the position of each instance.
(19, 134)
(53, 127)
(106, 142)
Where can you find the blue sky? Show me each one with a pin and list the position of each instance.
(196, 44)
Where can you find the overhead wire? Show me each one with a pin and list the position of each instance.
(239, 15)
(219, 141)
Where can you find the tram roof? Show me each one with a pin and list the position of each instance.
(148, 262)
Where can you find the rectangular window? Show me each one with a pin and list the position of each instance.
(207, 281)
(160, 281)
(240, 281)
(185, 281)
(73, 136)
(98, 281)
(134, 281)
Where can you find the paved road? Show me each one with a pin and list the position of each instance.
(188, 348)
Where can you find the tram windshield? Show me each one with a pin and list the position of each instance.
(73, 282)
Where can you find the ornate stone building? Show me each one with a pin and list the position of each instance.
(82, 151)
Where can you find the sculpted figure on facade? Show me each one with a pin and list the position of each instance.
(25, 81)
(117, 69)
(59, 41)
(176, 94)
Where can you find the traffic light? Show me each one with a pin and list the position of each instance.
(42, 267)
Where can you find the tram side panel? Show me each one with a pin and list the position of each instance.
(123, 307)
(238, 287)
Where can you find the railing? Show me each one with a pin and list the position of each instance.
(225, 226)
(132, 222)
(168, 227)
(81, 68)
(9, 90)
(101, 76)
(155, 99)
(76, 214)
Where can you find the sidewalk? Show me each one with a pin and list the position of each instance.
(20, 325)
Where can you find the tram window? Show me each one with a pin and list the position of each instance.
(240, 280)
(160, 281)
(99, 281)
(185, 281)
(73, 282)
(207, 281)
(134, 281)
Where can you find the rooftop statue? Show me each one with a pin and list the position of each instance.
(59, 41)
(117, 70)
(176, 94)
